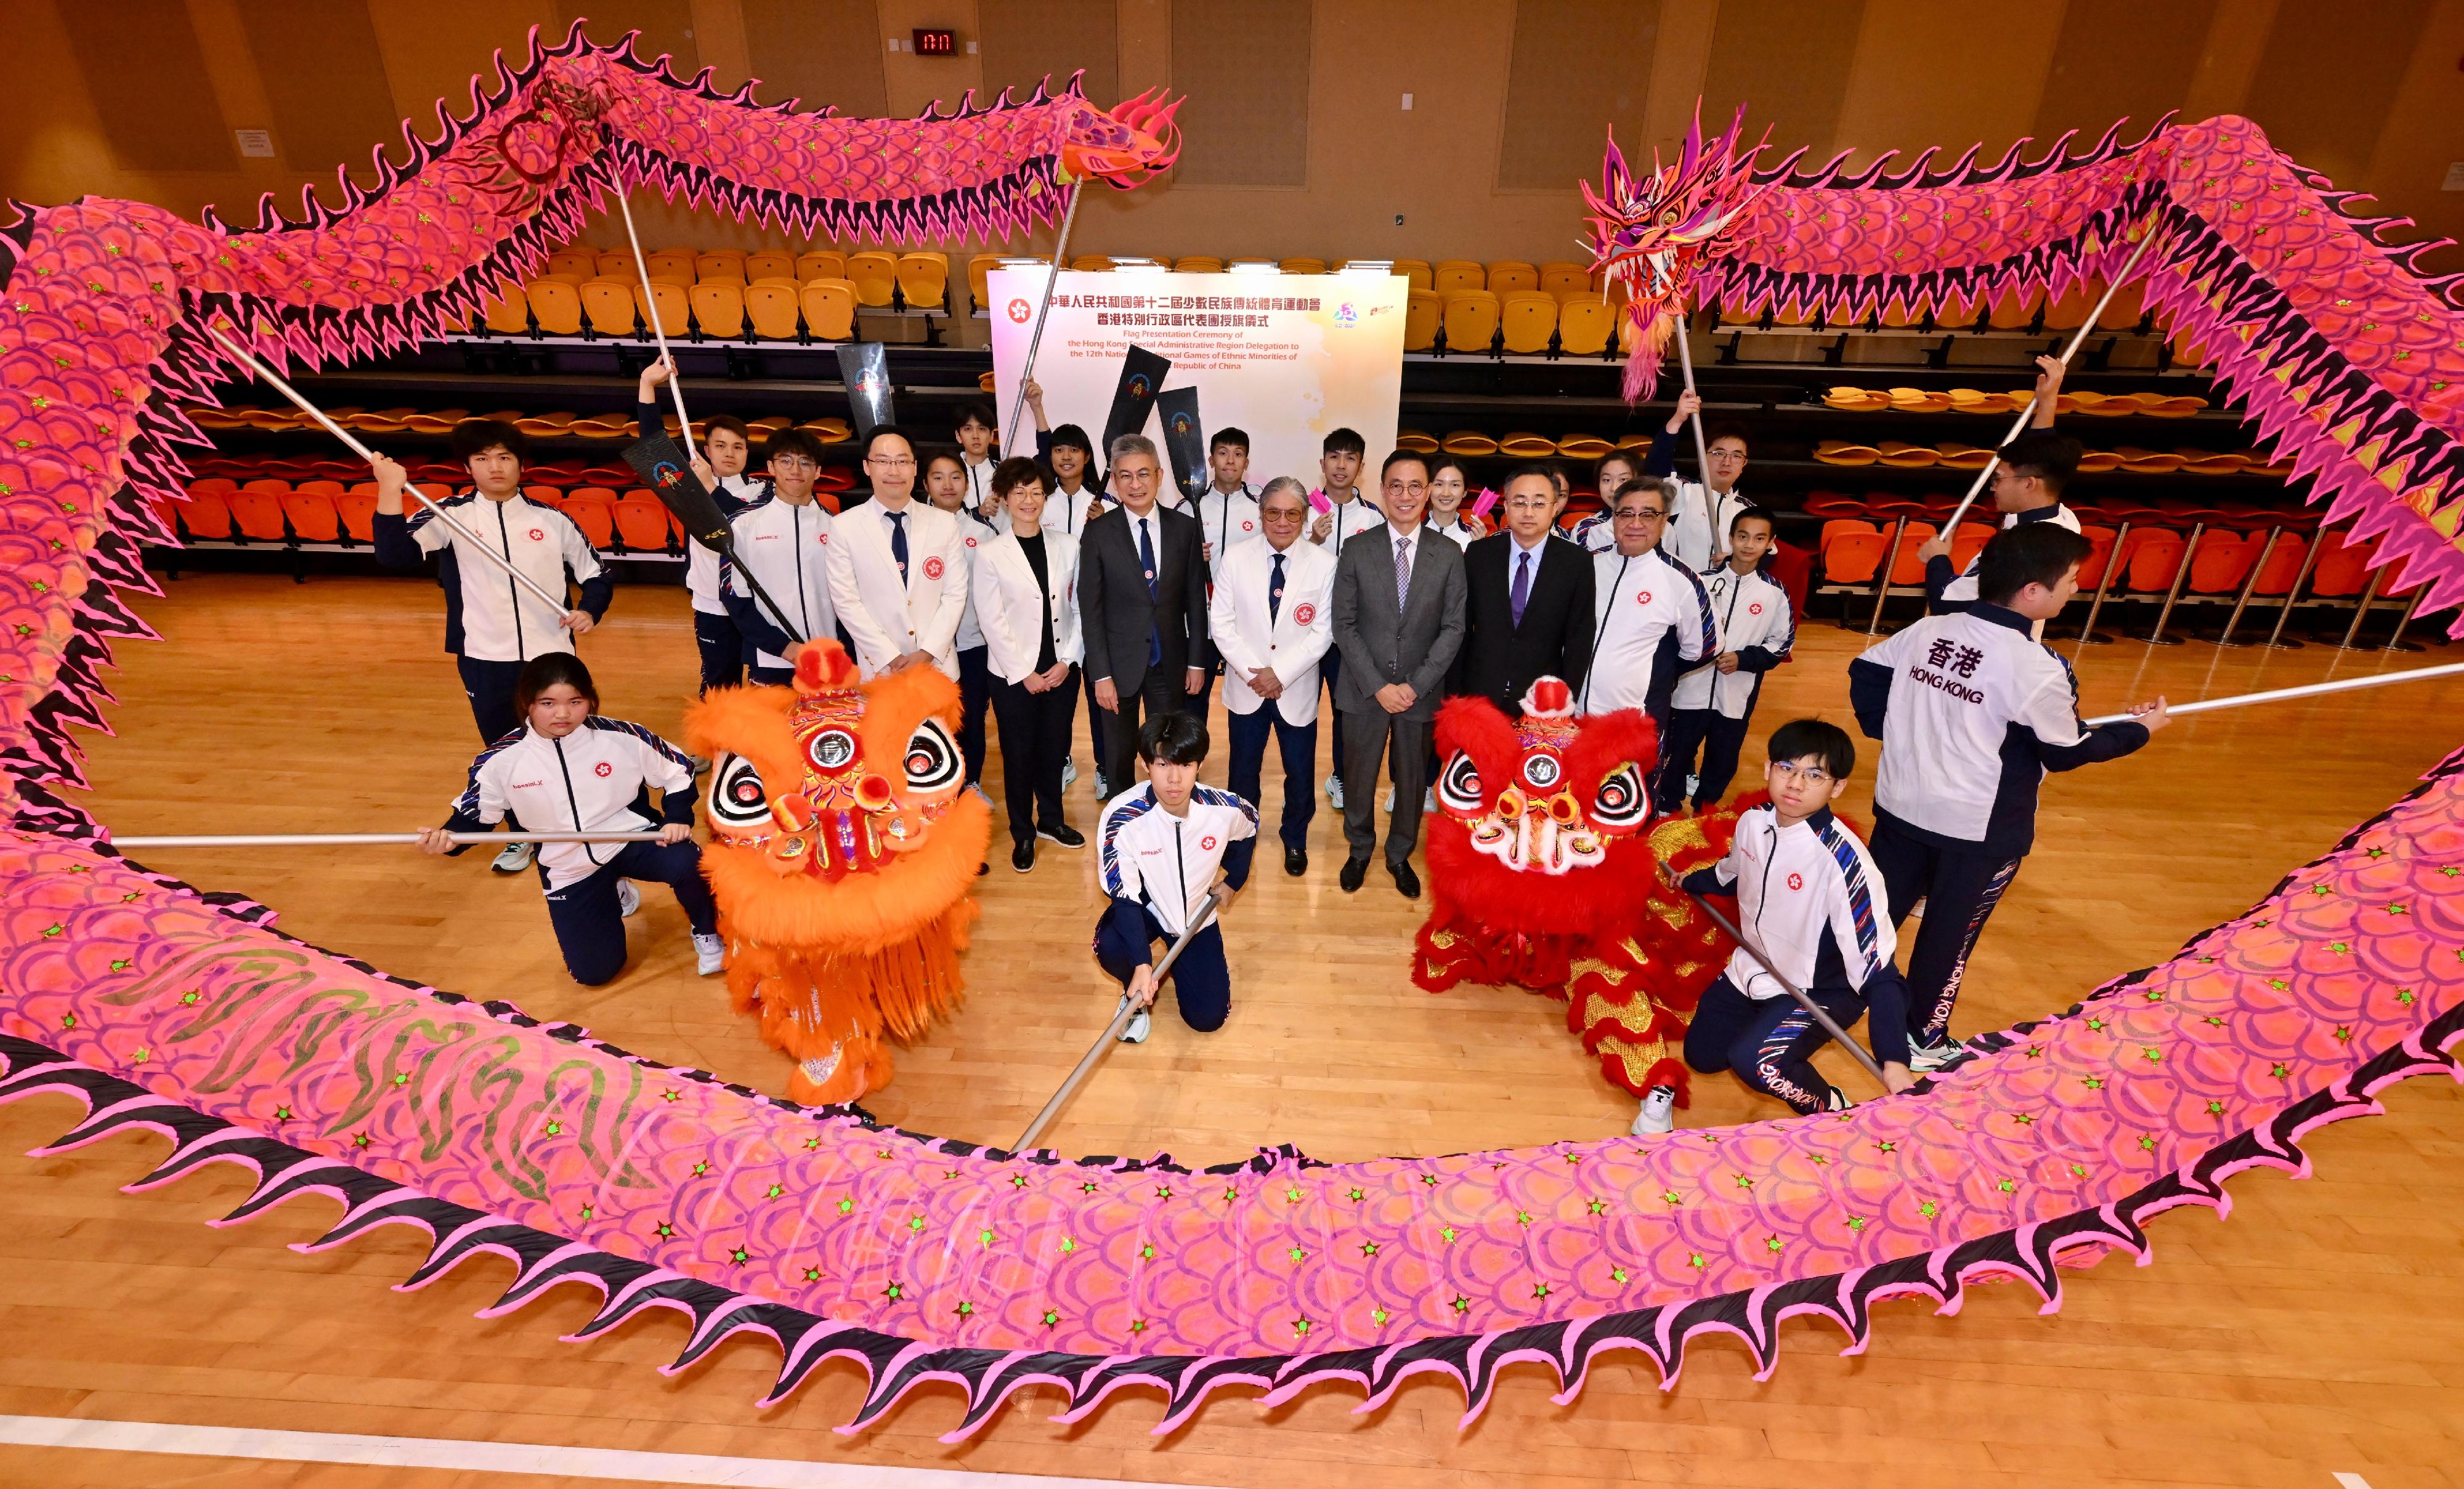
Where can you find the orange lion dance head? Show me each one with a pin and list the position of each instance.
(842, 849)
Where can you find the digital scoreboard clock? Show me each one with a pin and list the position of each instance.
(936, 43)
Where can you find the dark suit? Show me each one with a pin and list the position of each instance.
(1124, 626)
(1499, 660)
(1381, 645)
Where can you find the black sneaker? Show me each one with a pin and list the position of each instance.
(1063, 833)
(1023, 857)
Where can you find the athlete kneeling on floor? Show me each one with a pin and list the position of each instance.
(1166, 843)
(1810, 901)
(568, 770)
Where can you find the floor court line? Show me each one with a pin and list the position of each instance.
(450, 1455)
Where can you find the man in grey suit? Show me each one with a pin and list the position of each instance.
(1398, 621)
(1142, 600)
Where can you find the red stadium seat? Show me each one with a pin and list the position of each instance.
(312, 515)
(597, 520)
(1839, 526)
(2100, 541)
(217, 485)
(1908, 568)
(1967, 543)
(2343, 568)
(268, 486)
(642, 523)
(2152, 562)
(2283, 564)
(357, 510)
(206, 516)
(1853, 558)
(2222, 562)
(257, 515)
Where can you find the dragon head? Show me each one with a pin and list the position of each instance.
(835, 804)
(1126, 145)
(1552, 792)
(1655, 233)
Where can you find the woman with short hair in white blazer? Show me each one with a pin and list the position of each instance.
(1027, 603)
(897, 567)
(1272, 619)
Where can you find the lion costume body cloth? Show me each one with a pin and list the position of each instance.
(842, 849)
(1544, 875)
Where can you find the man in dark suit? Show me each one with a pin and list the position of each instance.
(1398, 621)
(1142, 601)
(1527, 612)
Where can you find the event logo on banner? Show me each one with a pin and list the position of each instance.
(1287, 358)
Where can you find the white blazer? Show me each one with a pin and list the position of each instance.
(883, 618)
(1010, 608)
(1303, 628)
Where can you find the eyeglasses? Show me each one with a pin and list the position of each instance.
(892, 462)
(1531, 504)
(1811, 775)
(793, 463)
(1629, 514)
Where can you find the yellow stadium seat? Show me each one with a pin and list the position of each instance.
(829, 309)
(1304, 266)
(608, 303)
(1510, 274)
(726, 264)
(769, 265)
(674, 305)
(2128, 307)
(556, 304)
(674, 266)
(1199, 264)
(565, 276)
(2072, 310)
(979, 272)
(924, 280)
(1472, 321)
(1090, 263)
(773, 303)
(1583, 325)
(718, 304)
(1528, 319)
(510, 315)
(873, 273)
(576, 263)
(1455, 274)
(820, 264)
(1565, 280)
(1420, 320)
(1416, 272)
(616, 265)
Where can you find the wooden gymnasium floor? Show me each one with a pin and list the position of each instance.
(2314, 1332)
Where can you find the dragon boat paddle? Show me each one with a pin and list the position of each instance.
(1035, 339)
(2413, 674)
(651, 313)
(327, 840)
(1830, 1026)
(1111, 1033)
(559, 604)
(2079, 339)
(669, 472)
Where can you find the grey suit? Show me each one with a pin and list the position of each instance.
(1383, 644)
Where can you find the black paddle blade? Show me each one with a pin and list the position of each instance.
(863, 367)
(1142, 375)
(1184, 439)
(670, 475)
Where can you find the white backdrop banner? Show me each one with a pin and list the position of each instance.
(1287, 358)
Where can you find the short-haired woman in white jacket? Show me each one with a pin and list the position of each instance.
(1026, 601)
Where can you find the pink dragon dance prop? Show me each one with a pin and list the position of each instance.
(2329, 337)
(919, 1259)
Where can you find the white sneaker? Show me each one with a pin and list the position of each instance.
(1941, 1055)
(709, 954)
(1428, 800)
(1659, 1113)
(976, 788)
(628, 898)
(515, 857)
(1103, 788)
(1839, 1101)
(1140, 1025)
(699, 765)
(1069, 769)
(1334, 791)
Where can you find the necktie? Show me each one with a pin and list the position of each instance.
(1521, 593)
(1402, 572)
(898, 542)
(1275, 592)
(1147, 561)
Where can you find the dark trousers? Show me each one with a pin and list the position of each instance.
(1298, 745)
(1722, 740)
(1034, 738)
(1201, 981)
(1161, 692)
(490, 687)
(1665, 784)
(722, 650)
(975, 684)
(1769, 1043)
(1095, 717)
(1330, 667)
(1403, 743)
(590, 925)
(1960, 887)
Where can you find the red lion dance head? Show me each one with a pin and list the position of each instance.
(1545, 874)
(841, 849)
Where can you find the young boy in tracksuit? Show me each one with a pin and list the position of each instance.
(1165, 844)
(1973, 711)
(1715, 704)
(782, 542)
(726, 449)
(1808, 897)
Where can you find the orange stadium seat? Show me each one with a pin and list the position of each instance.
(1455, 274)
(597, 520)
(642, 522)
(873, 276)
(718, 305)
(609, 305)
(556, 304)
(674, 303)
(312, 515)
(671, 266)
(924, 280)
(1908, 568)
(1528, 319)
(1472, 321)
(257, 513)
(772, 305)
(1508, 275)
(2128, 308)
(357, 510)
(616, 264)
(206, 515)
(1420, 318)
(1565, 280)
(979, 272)
(577, 263)
(2153, 561)
(1303, 266)
(2223, 560)
(1853, 558)
(829, 309)
(2099, 546)
(1199, 264)
(820, 264)
(769, 264)
(720, 264)
(2344, 566)
(511, 314)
